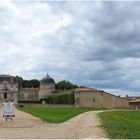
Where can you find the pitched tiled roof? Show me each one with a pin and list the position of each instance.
(93, 90)
(86, 89)
(134, 99)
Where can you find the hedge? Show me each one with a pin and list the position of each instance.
(60, 99)
(29, 101)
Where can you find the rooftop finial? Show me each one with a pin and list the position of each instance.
(48, 75)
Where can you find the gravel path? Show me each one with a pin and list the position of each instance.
(26, 126)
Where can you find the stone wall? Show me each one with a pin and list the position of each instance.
(114, 102)
(100, 99)
(87, 99)
(8, 90)
(28, 94)
(121, 103)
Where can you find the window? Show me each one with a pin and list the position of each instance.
(5, 95)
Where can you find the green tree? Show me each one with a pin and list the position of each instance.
(28, 83)
(62, 85)
(19, 80)
(35, 83)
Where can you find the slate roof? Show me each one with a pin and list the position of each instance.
(47, 80)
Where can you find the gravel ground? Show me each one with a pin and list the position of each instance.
(26, 126)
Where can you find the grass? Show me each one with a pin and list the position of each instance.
(53, 114)
(121, 124)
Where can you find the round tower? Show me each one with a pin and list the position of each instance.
(47, 86)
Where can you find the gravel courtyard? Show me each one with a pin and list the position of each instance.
(26, 126)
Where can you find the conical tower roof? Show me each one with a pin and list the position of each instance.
(47, 80)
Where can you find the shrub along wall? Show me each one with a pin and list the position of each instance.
(60, 99)
(29, 101)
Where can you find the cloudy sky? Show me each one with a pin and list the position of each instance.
(96, 44)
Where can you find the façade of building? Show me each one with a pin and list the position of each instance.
(10, 89)
(84, 97)
(91, 97)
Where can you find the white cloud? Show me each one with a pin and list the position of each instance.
(78, 41)
(21, 32)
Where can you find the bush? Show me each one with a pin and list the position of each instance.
(60, 99)
(29, 101)
(21, 106)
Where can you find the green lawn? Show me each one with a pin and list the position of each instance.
(53, 114)
(121, 124)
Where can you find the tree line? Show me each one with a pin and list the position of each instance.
(61, 85)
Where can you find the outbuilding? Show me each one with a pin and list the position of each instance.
(90, 97)
(134, 102)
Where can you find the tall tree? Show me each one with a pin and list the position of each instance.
(28, 83)
(62, 85)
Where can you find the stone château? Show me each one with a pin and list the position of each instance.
(10, 89)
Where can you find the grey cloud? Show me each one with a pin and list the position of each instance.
(94, 44)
